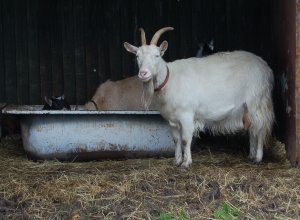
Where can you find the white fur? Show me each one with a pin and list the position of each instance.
(209, 93)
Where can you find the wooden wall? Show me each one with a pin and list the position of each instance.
(296, 148)
(51, 47)
(283, 62)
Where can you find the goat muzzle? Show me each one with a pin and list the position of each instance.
(144, 75)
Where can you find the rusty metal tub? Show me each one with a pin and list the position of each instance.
(92, 135)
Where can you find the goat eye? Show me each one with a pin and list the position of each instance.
(156, 56)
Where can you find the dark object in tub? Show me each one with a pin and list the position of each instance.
(56, 103)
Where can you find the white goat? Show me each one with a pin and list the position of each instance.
(223, 92)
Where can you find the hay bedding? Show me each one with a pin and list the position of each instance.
(149, 188)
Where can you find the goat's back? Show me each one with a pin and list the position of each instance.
(216, 87)
(217, 78)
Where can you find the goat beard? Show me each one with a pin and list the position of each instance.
(148, 92)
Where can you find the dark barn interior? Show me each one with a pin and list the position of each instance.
(71, 46)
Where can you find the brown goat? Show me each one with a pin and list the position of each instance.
(124, 94)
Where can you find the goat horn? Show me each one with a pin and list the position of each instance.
(143, 37)
(159, 33)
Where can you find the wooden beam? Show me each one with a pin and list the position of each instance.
(2, 105)
(33, 53)
(2, 73)
(22, 51)
(296, 157)
(9, 48)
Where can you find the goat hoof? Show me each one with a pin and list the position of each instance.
(251, 157)
(186, 164)
(254, 161)
(177, 162)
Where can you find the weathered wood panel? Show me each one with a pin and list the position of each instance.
(9, 49)
(103, 46)
(44, 38)
(33, 53)
(68, 51)
(22, 51)
(113, 11)
(91, 31)
(71, 46)
(2, 73)
(79, 51)
(125, 25)
(296, 159)
(283, 38)
(56, 49)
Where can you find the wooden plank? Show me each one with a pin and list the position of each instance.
(135, 30)
(219, 31)
(2, 73)
(92, 32)
(103, 48)
(160, 7)
(79, 51)
(286, 73)
(146, 11)
(185, 29)
(174, 39)
(114, 39)
(296, 160)
(2, 105)
(22, 51)
(125, 35)
(9, 50)
(33, 53)
(44, 25)
(68, 51)
(195, 26)
(233, 19)
(56, 48)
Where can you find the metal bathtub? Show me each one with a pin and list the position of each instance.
(92, 135)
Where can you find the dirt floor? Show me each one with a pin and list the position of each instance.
(221, 184)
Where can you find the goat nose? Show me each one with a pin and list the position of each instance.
(143, 72)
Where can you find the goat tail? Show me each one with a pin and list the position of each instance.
(262, 119)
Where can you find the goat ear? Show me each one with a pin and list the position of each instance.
(211, 44)
(48, 101)
(130, 48)
(163, 47)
